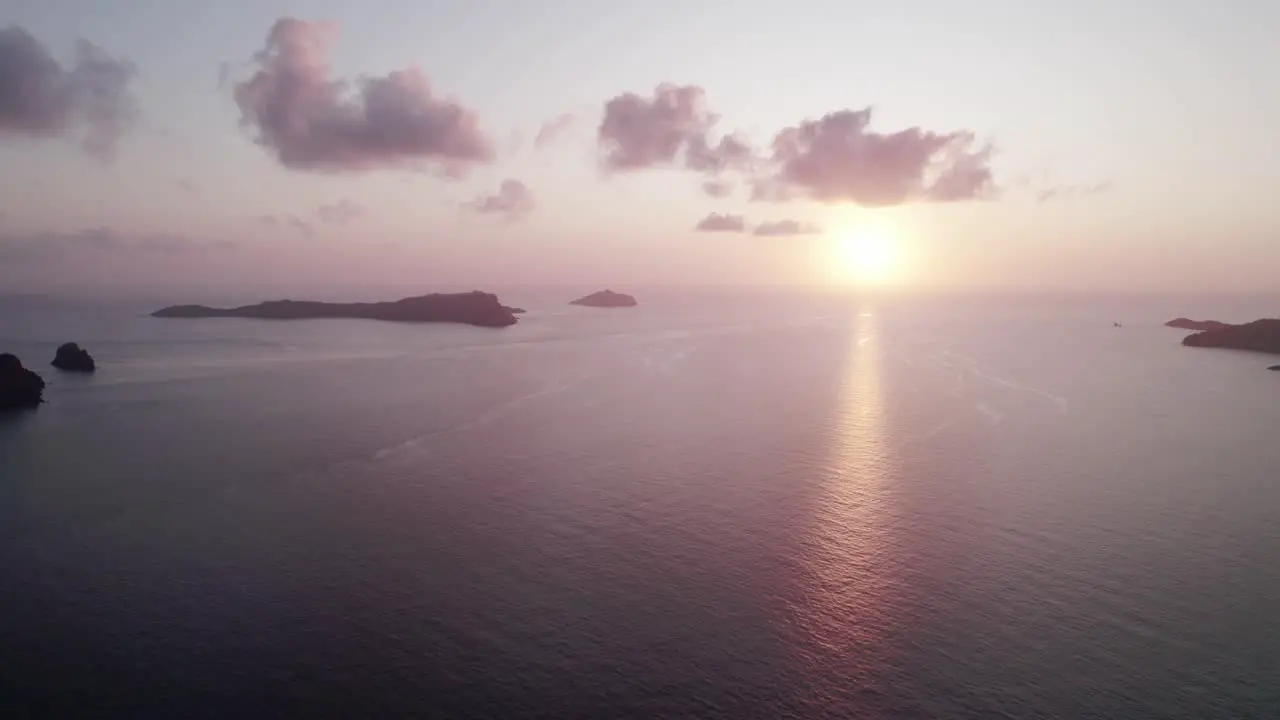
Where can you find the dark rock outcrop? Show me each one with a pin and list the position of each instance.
(1197, 325)
(1258, 336)
(20, 388)
(471, 308)
(74, 358)
(606, 299)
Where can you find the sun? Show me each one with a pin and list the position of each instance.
(866, 256)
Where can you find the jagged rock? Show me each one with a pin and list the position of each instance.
(20, 388)
(73, 358)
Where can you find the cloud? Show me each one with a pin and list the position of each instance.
(303, 227)
(664, 130)
(293, 222)
(97, 242)
(717, 188)
(39, 98)
(839, 158)
(715, 222)
(553, 129)
(514, 201)
(783, 228)
(1065, 192)
(342, 212)
(311, 122)
(189, 187)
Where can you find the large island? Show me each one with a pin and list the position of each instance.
(1197, 325)
(1258, 336)
(606, 299)
(471, 308)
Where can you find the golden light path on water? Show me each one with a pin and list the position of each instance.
(848, 564)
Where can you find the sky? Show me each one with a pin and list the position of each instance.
(1128, 145)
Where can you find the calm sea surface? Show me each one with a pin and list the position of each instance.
(698, 508)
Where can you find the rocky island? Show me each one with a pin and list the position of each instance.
(73, 358)
(606, 299)
(1258, 336)
(20, 388)
(471, 308)
(1197, 325)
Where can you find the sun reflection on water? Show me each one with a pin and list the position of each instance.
(848, 561)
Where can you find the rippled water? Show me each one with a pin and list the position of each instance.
(696, 508)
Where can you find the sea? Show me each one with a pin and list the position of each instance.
(717, 504)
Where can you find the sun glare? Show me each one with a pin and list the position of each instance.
(866, 256)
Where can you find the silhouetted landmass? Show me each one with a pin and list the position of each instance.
(1258, 336)
(1274, 367)
(606, 299)
(20, 388)
(1197, 325)
(73, 358)
(472, 308)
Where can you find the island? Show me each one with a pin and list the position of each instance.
(470, 308)
(73, 358)
(1274, 367)
(20, 388)
(1197, 325)
(1258, 336)
(606, 299)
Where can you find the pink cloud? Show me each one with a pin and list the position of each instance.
(783, 228)
(839, 158)
(339, 213)
(553, 129)
(638, 132)
(40, 98)
(513, 201)
(715, 222)
(311, 122)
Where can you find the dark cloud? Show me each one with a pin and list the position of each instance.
(715, 222)
(839, 158)
(783, 228)
(553, 129)
(669, 128)
(90, 98)
(513, 201)
(339, 213)
(717, 187)
(311, 122)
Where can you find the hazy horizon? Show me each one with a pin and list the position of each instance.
(283, 147)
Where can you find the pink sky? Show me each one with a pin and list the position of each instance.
(1094, 146)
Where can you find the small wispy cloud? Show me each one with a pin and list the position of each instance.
(715, 222)
(513, 201)
(782, 228)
